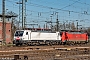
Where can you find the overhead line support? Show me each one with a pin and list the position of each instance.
(3, 22)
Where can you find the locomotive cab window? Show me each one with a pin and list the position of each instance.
(26, 33)
(19, 33)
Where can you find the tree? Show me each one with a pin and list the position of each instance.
(88, 31)
(73, 26)
(14, 22)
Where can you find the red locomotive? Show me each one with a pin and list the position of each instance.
(74, 37)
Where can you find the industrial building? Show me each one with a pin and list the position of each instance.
(8, 29)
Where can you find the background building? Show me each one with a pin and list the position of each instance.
(8, 28)
(8, 32)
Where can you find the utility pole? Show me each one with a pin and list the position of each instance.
(57, 22)
(64, 24)
(77, 25)
(3, 24)
(25, 15)
(22, 12)
(51, 23)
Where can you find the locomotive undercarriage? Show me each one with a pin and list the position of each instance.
(38, 42)
(47, 42)
(75, 42)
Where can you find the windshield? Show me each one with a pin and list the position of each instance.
(19, 33)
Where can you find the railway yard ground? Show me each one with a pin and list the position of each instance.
(55, 52)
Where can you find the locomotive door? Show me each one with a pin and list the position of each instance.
(27, 36)
(58, 35)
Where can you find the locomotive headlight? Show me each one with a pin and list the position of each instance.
(21, 38)
(14, 38)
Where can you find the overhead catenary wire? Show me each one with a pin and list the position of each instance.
(57, 8)
(37, 5)
(74, 1)
(70, 5)
(80, 2)
(49, 7)
(11, 3)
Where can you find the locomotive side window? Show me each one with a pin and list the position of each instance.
(19, 33)
(26, 33)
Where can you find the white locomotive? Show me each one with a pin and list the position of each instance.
(29, 37)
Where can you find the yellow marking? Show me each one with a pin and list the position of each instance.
(68, 48)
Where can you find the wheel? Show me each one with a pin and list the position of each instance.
(17, 44)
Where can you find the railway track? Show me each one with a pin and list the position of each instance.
(41, 46)
(55, 52)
